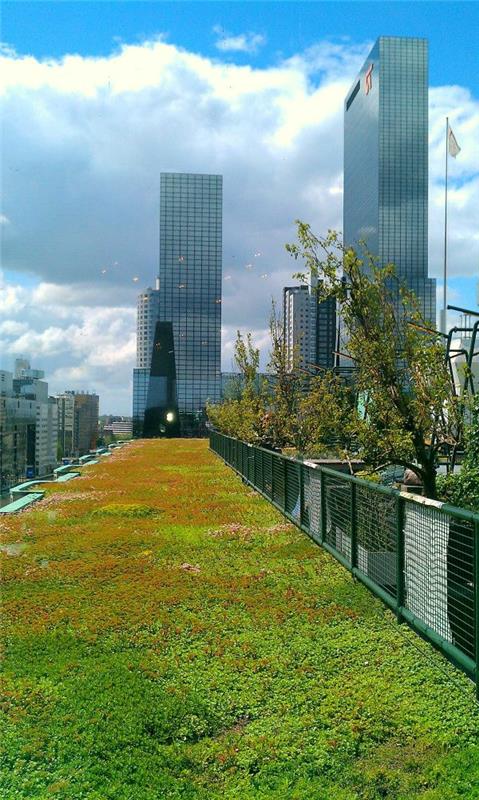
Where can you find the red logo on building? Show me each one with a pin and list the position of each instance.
(369, 79)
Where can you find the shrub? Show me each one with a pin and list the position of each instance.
(462, 488)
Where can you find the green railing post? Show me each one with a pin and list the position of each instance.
(399, 558)
(284, 483)
(354, 529)
(272, 477)
(476, 603)
(301, 493)
(323, 516)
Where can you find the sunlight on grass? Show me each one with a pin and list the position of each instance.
(169, 635)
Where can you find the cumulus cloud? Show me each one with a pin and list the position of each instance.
(242, 43)
(81, 186)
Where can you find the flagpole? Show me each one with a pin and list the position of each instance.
(444, 302)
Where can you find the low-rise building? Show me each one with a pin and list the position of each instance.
(119, 426)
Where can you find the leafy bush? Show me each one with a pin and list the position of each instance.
(462, 488)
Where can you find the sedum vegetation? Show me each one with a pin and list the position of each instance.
(167, 635)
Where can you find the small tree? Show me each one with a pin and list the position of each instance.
(242, 416)
(328, 416)
(282, 426)
(411, 411)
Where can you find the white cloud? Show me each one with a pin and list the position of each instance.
(242, 43)
(11, 327)
(81, 186)
(12, 298)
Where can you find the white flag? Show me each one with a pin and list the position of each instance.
(454, 148)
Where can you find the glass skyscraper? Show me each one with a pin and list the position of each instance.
(386, 162)
(190, 284)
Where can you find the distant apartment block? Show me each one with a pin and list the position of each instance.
(147, 309)
(77, 422)
(309, 328)
(85, 432)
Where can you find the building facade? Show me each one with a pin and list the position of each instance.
(17, 440)
(28, 425)
(118, 426)
(141, 379)
(85, 431)
(161, 416)
(46, 437)
(66, 423)
(386, 163)
(190, 285)
(309, 328)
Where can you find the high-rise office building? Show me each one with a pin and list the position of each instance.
(190, 285)
(386, 162)
(309, 328)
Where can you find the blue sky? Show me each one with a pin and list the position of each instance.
(99, 98)
(53, 29)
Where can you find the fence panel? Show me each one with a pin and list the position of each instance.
(421, 559)
(268, 474)
(258, 468)
(244, 459)
(305, 498)
(338, 501)
(439, 574)
(376, 524)
(292, 497)
(278, 481)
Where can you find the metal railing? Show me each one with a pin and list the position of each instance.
(420, 557)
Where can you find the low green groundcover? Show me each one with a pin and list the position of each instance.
(212, 651)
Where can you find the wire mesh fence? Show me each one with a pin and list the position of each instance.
(420, 557)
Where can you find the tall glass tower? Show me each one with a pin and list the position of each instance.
(190, 285)
(386, 162)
